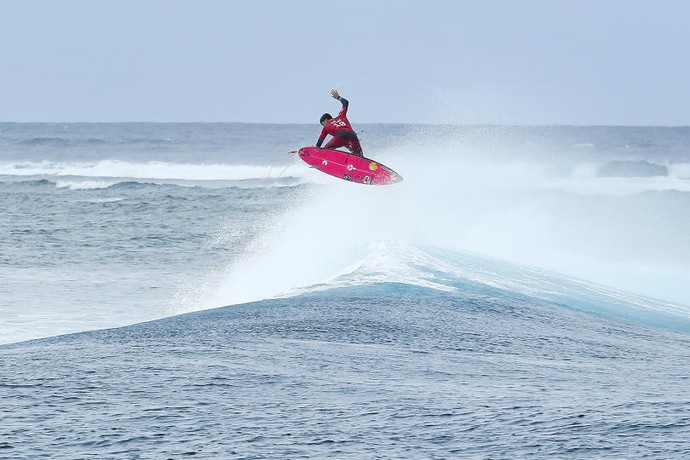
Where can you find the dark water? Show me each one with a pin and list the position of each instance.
(380, 372)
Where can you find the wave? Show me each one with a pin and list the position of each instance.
(451, 271)
(146, 170)
(680, 170)
(62, 142)
(87, 184)
(44, 140)
(387, 268)
(632, 169)
(623, 178)
(106, 173)
(84, 184)
(641, 168)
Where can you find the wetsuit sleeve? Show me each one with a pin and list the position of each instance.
(321, 137)
(345, 103)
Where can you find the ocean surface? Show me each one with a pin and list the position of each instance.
(196, 291)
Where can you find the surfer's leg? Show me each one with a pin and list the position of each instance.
(347, 139)
(336, 142)
(352, 146)
(355, 148)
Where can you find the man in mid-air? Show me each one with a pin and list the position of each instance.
(340, 128)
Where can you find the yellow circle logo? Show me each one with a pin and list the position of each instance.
(373, 166)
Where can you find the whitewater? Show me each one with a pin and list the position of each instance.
(171, 290)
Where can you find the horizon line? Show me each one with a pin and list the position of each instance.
(505, 125)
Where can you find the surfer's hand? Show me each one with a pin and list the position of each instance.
(334, 93)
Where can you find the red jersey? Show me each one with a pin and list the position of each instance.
(336, 124)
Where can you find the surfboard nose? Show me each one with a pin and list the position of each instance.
(395, 178)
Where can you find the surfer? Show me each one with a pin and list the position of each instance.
(340, 128)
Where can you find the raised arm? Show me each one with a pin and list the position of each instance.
(336, 95)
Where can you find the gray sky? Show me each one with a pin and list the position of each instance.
(612, 62)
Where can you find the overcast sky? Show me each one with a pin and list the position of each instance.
(613, 62)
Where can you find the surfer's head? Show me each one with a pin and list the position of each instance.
(324, 118)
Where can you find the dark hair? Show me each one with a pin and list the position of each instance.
(324, 117)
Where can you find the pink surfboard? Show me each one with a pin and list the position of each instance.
(349, 167)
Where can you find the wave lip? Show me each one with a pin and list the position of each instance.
(387, 264)
(456, 272)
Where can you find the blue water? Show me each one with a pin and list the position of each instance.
(193, 290)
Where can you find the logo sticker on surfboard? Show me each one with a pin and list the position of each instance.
(373, 166)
